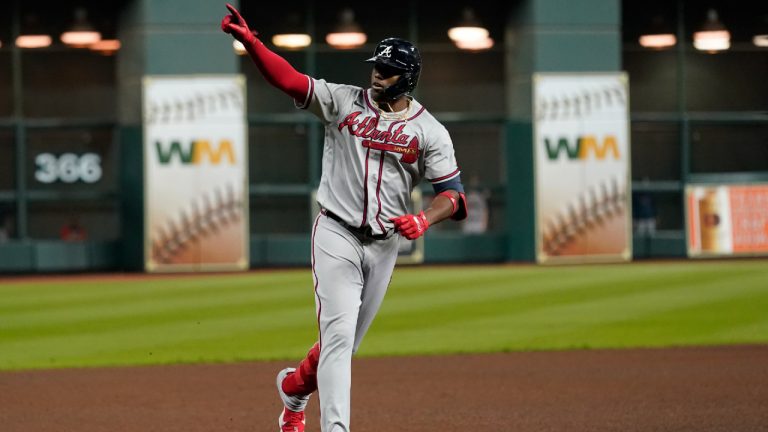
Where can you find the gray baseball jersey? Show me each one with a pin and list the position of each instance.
(371, 162)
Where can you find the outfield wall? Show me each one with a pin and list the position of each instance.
(279, 250)
(679, 134)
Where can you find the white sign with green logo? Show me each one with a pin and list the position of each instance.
(195, 173)
(582, 167)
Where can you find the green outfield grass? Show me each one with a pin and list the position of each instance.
(270, 315)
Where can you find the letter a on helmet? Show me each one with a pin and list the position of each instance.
(401, 55)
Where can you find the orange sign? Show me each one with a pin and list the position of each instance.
(727, 220)
(749, 218)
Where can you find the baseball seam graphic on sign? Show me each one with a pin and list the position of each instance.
(206, 215)
(195, 151)
(580, 104)
(192, 108)
(582, 149)
(590, 210)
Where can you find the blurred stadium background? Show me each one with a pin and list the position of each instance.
(695, 116)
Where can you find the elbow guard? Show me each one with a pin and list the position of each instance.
(459, 206)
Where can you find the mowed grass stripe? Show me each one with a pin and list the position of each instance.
(522, 277)
(713, 321)
(753, 332)
(411, 288)
(99, 331)
(482, 302)
(604, 304)
(211, 302)
(141, 337)
(93, 293)
(538, 322)
(684, 316)
(428, 310)
(101, 322)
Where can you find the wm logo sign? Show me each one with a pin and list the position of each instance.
(585, 147)
(196, 152)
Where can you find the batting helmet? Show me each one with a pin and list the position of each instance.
(403, 56)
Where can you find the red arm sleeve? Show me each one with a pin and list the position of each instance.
(278, 72)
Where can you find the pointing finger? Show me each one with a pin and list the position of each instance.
(236, 14)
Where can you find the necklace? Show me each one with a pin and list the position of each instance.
(399, 115)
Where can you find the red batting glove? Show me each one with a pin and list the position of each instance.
(411, 226)
(235, 25)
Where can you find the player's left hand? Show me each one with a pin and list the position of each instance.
(235, 25)
(411, 226)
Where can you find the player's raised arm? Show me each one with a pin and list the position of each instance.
(275, 69)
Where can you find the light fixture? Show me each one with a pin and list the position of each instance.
(475, 44)
(658, 41)
(292, 40)
(293, 36)
(33, 41)
(82, 33)
(469, 34)
(347, 34)
(106, 46)
(33, 34)
(713, 36)
(239, 47)
(760, 40)
(659, 36)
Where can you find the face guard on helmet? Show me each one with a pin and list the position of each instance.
(401, 57)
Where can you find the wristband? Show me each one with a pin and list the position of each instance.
(453, 200)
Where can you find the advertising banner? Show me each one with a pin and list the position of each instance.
(727, 220)
(195, 173)
(582, 167)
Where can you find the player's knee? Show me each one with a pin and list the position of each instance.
(339, 335)
(337, 344)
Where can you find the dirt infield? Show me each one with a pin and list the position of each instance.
(683, 389)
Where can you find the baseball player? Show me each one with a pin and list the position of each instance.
(379, 143)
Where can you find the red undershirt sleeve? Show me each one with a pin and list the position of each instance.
(278, 72)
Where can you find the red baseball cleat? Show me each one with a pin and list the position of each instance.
(291, 421)
(292, 417)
